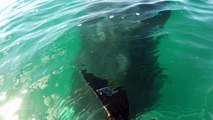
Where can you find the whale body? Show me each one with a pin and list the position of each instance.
(121, 46)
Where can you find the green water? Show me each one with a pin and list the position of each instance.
(40, 43)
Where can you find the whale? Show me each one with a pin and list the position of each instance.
(121, 46)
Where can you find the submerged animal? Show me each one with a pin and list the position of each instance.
(121, 46)
(114, 100)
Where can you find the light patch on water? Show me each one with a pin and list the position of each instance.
(5, 51)
(25, 91)
(111, 16)
(56, 85)
(79, 25)
(29, 8)
(3, 96)
(52, 106)
(152, 115)
(100, 33)
(45, 59)
(5, 37)
(57, 107)
(47, 101)
(48, 58)
(137, 14)
(1, 79)
(5, 3)
(9, 110)
(123, 62)
(23, 77)
(41, 83)
(58, 71)
(208, 108)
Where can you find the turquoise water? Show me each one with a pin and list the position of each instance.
(167, 44)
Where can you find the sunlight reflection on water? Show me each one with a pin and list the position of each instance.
(9, 110)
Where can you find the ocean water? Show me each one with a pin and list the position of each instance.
(160, 51)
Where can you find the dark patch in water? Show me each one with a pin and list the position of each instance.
(121, 47)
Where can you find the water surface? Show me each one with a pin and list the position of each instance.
(43, 44)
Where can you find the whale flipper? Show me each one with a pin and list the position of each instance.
(114, 101)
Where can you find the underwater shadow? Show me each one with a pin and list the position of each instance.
(121, 46)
